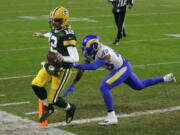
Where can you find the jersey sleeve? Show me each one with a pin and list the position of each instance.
(70, 38)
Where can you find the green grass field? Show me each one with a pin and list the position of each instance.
(147, 44)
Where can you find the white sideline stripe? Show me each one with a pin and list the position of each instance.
(140, 14)
(143, 65)
(31, 113)
(156, 64)
(135, 114)
(24, 49)
(14, 125)
(149, 40)
(172, 35)
(103, 27)
(16, 103)
(35, 112)
(16, 77)
(2, 95)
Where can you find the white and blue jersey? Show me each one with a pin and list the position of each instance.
(121, 72)
(115, 61)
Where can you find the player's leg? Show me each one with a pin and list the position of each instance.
(58, 84)
(111, 81)
(38, 84)
(116, 19)
(134, 82)
(121, 28)
(116, 16)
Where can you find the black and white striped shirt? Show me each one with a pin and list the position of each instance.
(122, 3)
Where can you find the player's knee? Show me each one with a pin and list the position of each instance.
(36, 88)
(40, 92)
(103, 87)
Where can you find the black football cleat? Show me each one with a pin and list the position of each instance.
(70, 113)
(116, 42)
(48, 110)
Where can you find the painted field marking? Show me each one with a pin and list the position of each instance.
(173, 35)
(157, 64)
(143, 65)
(35, 48)
(2, 95)
(149, 40)
(99, 27)
(36, 112)
(135, 114)
(16, 77)
(15, 103)
(31, 113)
(22, 49)
(14, 125)
(45, 17)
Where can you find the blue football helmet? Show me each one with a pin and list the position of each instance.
(90, 45)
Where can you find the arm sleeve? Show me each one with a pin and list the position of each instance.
(47, 35)
(73, 55)
(92, 66)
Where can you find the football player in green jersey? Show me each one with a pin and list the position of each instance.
(62, 40)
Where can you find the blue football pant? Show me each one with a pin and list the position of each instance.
(125, 75)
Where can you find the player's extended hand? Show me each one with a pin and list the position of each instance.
(38, 34)
(69, 89)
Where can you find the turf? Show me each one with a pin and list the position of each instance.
(147, 23)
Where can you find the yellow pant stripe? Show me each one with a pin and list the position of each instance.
(63, 83)
(116, 76)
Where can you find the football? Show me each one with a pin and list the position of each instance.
(55, 59)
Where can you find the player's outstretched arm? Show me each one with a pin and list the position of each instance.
(41, 35)
(91, 66)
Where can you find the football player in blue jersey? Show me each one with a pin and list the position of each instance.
(121, 72)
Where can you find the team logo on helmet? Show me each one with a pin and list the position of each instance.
(58, 18)
(90, 46)
(65, 12)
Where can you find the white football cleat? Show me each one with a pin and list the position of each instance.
(110, 120)
(170, 78)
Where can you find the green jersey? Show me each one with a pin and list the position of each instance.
(59, 41)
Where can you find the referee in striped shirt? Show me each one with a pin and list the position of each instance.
(119, 12)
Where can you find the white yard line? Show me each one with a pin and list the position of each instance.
(14, 103)
(150, 40)
(45, 47)
(135, 114)
(141, 65)
(2, 95)
(140, 14)
(15, 125)
(172, 35)
(31, 113)
(157, 64)
(16, 77)
(22, 49)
